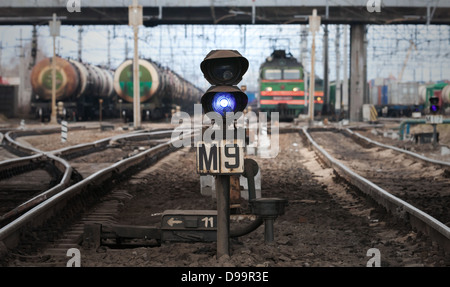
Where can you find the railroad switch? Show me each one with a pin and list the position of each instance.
(181, 226)
(189, 225)
(176, 226)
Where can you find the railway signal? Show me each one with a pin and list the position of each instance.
(224, 70)
(434, 118)
(434, 105)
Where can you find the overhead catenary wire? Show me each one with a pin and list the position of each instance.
(180, 46)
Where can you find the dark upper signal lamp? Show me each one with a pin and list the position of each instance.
(224, 70)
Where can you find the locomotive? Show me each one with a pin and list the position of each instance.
(282, 87)
(161, 90)
(80, 88)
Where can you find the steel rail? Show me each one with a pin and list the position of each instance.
(418, 219)
(35, 217)
(61, 165)
(416, 155)
(37, 157)
(84, 148)
(54, 158)
(12, 135)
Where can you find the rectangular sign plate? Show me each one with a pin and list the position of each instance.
(434, 119)
(220, 157)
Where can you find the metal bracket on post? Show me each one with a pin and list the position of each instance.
(269, 209)
(250, 171)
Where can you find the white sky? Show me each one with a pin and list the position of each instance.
(183, 47)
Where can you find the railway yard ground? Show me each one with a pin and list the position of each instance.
(327, 222)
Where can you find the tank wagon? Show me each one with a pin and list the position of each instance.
(161, 90)
(80, 89)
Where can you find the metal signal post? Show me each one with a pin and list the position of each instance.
(222, 157)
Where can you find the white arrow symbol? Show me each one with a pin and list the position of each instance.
(172, 221)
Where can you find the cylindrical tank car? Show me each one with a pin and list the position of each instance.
(161, 90)
(79, 87)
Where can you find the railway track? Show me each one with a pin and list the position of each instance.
(318, 229)
(409, 185)
(5, 152)
(28, 178)
(87, 159)
(96, 166)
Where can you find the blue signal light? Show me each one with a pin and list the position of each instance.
(434, 105)
(223, 102)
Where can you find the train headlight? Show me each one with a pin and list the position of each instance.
(295, 89)
(268, 89)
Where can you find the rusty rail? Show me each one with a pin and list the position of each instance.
(38, 215)
(413, 154)
(437, 231)
(22, 164)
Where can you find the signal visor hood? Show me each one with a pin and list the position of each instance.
(224, 67)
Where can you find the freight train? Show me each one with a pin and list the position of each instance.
(83, 89)
(79, 89)
(161, 90)
(282, 87)
(393, 99)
